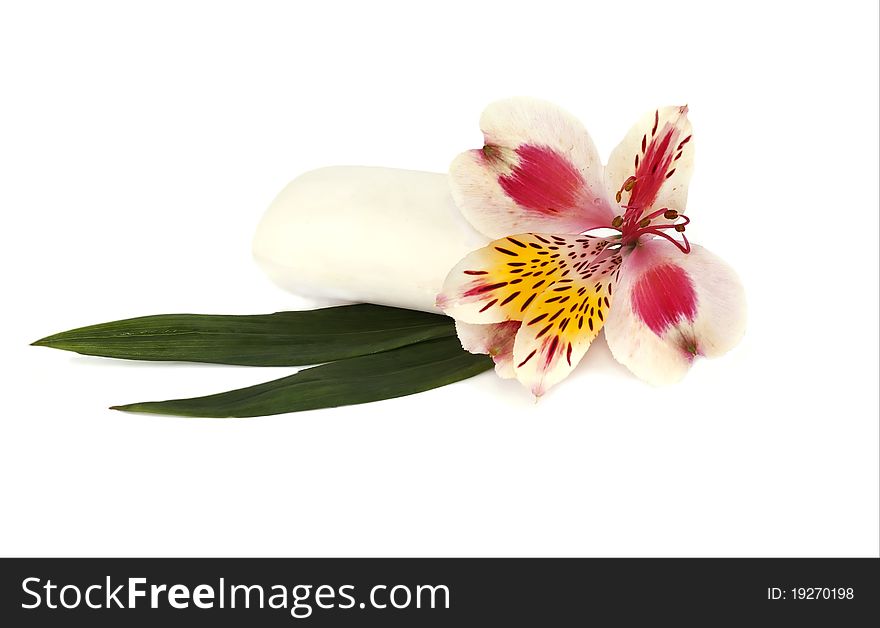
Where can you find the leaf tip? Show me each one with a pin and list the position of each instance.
(53, 342)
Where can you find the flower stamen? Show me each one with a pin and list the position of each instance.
(684, 248)
(631, 231)
(627, 186)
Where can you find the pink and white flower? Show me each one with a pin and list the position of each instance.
(538, 295)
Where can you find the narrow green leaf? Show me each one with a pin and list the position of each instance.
(280, 339)
(396, 373)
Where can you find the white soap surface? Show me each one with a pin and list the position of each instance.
(364, 234)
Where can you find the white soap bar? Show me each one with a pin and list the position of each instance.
(361, 234)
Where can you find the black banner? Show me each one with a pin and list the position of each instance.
(436, 592)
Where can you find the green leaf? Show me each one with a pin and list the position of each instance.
(395, 373)
(280, 339)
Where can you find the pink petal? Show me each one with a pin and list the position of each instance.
(658, 155)
(671, 308)
(538, 171)
(495, 340)
(662, 296)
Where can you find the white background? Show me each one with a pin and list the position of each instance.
(142, 141)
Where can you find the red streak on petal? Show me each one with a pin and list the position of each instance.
(482, 288)
(543, 181)
(663, 296)
(550, 349)
(651, 172)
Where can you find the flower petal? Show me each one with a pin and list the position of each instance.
(495, 339)
(538, 171)
(562, 322)
(655, 161)
(500, 281)
(672, 307)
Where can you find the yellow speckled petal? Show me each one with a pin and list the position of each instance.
(505, 279)
(562, 322)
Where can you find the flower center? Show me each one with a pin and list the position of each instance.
(633, 227)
